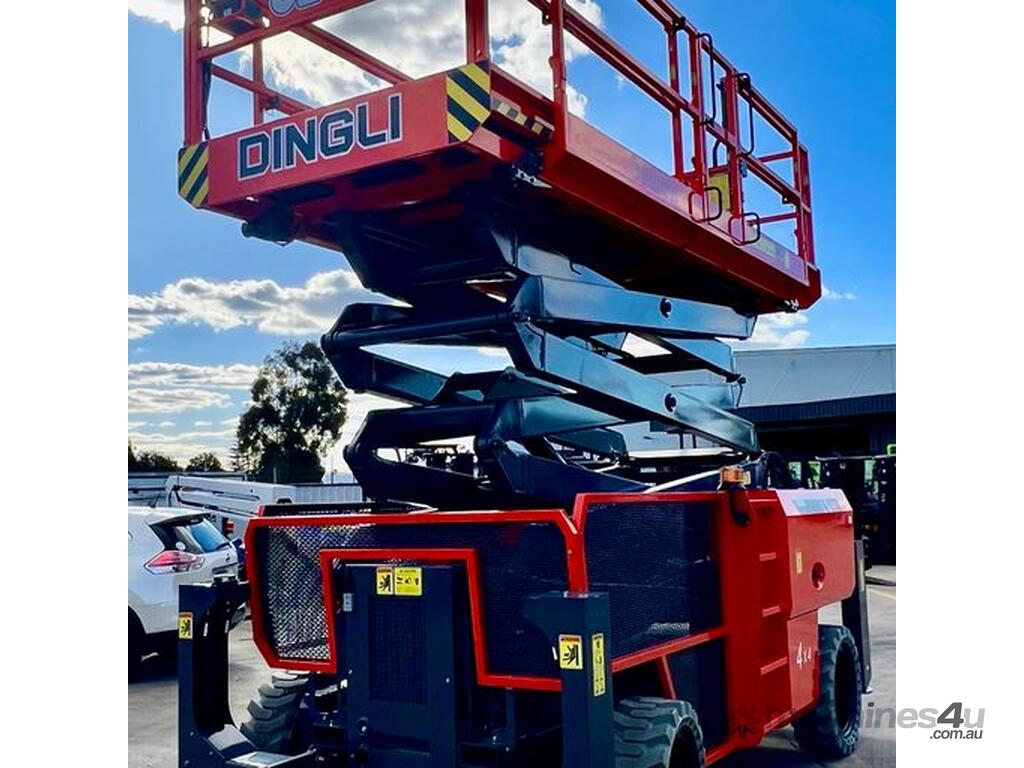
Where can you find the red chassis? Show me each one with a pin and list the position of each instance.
(793, 555)
(453, 128)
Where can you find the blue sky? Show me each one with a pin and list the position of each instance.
(206, 305)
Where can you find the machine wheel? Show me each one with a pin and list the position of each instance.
(832, 729)
(273, 715)
(657, 733)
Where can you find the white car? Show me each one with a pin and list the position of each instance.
(166, 549)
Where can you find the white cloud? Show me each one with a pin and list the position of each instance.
(236, 376)
(157, 387)
(169, 12)
(779, 330)
(221, 434)
(184, 445)
(270, 307)
(417, 37)
(828, 293)
(174, 400)
(359, 405)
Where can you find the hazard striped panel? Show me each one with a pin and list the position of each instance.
(469, 99)
(534, 125)
(193, 180)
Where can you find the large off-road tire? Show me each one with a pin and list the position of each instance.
(274, 713)
(657, 733)
(832, 729)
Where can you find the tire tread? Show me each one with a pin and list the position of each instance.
(818, 732)
(273, 713)
(646, 729)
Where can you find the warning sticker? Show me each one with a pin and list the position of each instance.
(570, 652)
(385, 580)
(799, 561)
(597, 654)
(184, 625)
(409, 581)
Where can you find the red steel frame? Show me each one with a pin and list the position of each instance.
(468, 558)
(575, 570)
(763, 693)
(579, 160)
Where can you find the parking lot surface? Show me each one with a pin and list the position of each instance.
(152, 698)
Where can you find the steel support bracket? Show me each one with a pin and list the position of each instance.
(579, 629)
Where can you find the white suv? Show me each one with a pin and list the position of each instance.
(166, 549)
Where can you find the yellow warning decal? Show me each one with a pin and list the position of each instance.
(193, 180)
(468, 90)
(184, 625)
(570, 652)
(799, 562)
(409, 581)
(516, 115)
(597, 654)
(720, 181)
(385, 580)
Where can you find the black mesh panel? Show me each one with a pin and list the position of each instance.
(397, 662)
(516, 560)
(654, 559)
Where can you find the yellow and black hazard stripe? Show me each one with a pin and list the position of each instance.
(193, 177)
(469, 99)
(534, 125)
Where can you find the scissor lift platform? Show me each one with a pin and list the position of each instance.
(419, 155)
(500, 219)
(593, 573)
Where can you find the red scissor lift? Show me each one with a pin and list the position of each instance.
(631, 610)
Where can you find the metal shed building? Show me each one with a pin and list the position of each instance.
(808, 402)
(821, 401)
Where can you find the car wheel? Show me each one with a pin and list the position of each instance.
(136, 644)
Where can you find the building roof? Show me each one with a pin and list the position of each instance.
(796, 385)
(805, 375)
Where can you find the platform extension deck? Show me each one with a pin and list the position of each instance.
(423, 156)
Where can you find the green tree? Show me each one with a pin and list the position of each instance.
(235, 458)
(151, 461)
(204, 462)
(133, 463)
(296, 415)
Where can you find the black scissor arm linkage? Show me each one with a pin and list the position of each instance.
(546, 429)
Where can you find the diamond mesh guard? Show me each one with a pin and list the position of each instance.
(654, 559)
(516, 560)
